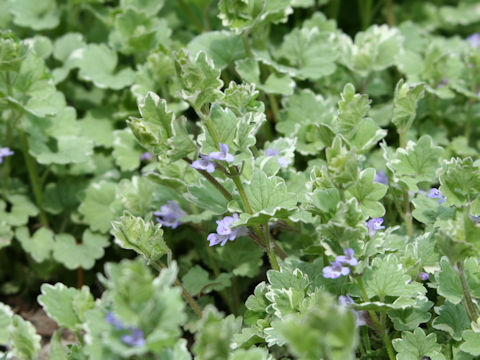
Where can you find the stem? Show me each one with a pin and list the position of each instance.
(158, 265)
(79, 337)
(191, 15)
(79, 278)
(33, 175)
(246, 45)
(466, 292)
(390, 13)
(270, 250)
(381, 327)
(213, 181)
(274, 107)
(468, 125)
(6, 165)
(406, 200)
(366, 13)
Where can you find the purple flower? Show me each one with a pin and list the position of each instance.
(475, 219)
(381, 177)
(347, 258)
(360, 315)
(222, 154)
(423, 276)
(335, 270)
(434, 193)
(135, 338)
(204, 163)
(474, 40)
(374, 224)
(111, 319)
(271, 152)
(478, 94)
(283, 162)
(225, 231)
(146, 156)
(4, 152)
(169, 214)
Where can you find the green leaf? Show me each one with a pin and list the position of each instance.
(24, 341)
(242, 257)
(386, 277)
(250, 354)
(206, 196)
(150, 7)
(374, 49)
(57, 352)
(34, 14)
(126, 150)
(243, 16)
(135, 32)
(86, 252)
(322, 327)
(451, 318)
(6, 314)
(21, 208)
(367, 192)
(429, 211)
(268, 197)
(449, 284)
(472, 342)
(212, 341)
(134, 233)
(98, 126)
(300, 116)
(310, 53)
(97, 206)
(412, 317)
(197, 280)
(39, 246)
(67, 306)
(199, 78)
(98, 63)
(223, 47)
(460, 180)
(249, 70)
(405, 103)
(417, 163)
(413, 346)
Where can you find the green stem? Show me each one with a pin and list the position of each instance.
(158, 265)
(213, 181)
(33, 175)
(466, 292)
(366, 12)
(380, 326)
(246, 45)
(191, 15)
(468, 125)
(6, 165)
(79, 337)
(390, 13)
(274, 107)
(366, 339)
(406, 200)
(270, 250)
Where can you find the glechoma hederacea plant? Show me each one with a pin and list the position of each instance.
(292, 179)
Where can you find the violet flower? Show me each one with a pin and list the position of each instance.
(135, 338)
(335, 270)
(374, 224)
(4, 152)
(434, 193)
(169, 214)
(225, 231)
(423, 276)
(223, 154)
(442, 83)
(204, 163)
(273, 152)
(381, 177)
(360, 315)
(474, 40)
(111, 319)
(146, 156)
(475, 219)
(347, 258)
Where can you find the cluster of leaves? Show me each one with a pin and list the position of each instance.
(278, 123)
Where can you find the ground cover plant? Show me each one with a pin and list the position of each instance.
(240, 179)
